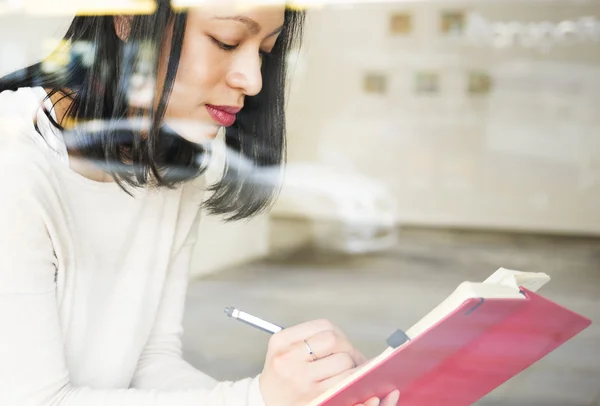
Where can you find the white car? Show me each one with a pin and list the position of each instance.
(349, 212)
(346, 211)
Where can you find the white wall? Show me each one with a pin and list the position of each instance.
(27, 39)
(527, 156)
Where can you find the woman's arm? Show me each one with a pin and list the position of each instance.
(33, 371)
(161, 364)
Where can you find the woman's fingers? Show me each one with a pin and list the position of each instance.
(298, 333)
(332, 365)
(372, 402)
(304, 361)
(334, 380)
(391, 399)
(326, 343)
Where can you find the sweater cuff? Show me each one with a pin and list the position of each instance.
(255, 397)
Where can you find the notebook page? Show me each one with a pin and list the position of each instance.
(532, 281)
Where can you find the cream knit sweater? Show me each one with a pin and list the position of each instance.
(92, 281)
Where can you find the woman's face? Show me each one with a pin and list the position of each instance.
(220, 65)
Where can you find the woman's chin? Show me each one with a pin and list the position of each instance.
(194, 131)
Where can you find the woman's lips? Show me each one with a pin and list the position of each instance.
(224, 115)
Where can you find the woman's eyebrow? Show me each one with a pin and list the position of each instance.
(252, 25)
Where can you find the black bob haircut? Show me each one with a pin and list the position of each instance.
(98, 94)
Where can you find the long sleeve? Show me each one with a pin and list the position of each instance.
(161, 364)
(33, 370)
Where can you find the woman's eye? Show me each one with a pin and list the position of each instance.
(223, 45)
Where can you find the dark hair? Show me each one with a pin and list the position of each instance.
(162, 158)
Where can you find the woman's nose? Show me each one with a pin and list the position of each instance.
(245, 74)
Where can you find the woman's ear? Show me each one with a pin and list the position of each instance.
(123, 27)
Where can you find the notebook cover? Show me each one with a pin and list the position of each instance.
(469, 353)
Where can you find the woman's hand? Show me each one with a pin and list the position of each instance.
(389, 400)
(292, 376)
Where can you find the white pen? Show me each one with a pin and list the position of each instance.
(252, 320)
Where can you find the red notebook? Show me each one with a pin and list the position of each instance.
(473, 342)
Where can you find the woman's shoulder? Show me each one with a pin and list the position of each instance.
(19, 114)
(21, 158)
(19, 106)
(24, 94)
(22, 116)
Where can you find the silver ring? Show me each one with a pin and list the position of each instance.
(310, 351)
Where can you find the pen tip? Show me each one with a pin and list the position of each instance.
(229, 311)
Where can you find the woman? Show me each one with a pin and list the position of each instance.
(100, 207)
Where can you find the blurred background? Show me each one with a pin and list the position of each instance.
(430, 142)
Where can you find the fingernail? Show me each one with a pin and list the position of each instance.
(372, 402)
